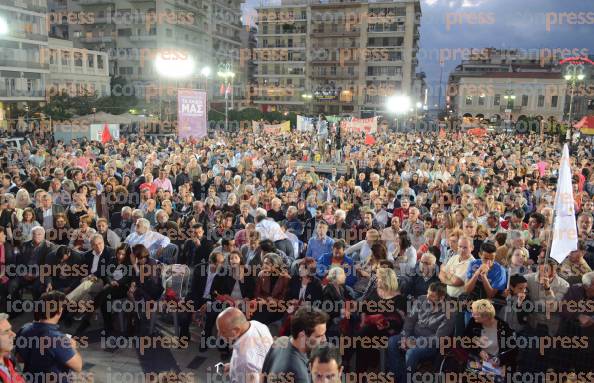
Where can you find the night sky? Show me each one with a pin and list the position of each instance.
(449, 29)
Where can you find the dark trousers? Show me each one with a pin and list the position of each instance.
(16, 285)
(103, 300)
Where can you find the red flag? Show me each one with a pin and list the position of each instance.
(106, 135)
(222, 90)
(369, 139)
(442, 133)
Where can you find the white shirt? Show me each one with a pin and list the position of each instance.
(95, 262)
(249, 352)
(152, 240)
(48, 219)
(459, 269)
(209, 279)
(271, 230)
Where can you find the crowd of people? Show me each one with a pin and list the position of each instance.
(426, 240)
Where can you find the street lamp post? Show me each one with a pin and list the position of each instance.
(572, 76)
(227, 75)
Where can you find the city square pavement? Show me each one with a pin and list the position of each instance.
(109, 360)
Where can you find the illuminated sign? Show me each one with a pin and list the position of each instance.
(576, 61)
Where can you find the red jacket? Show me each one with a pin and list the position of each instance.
(13, 376)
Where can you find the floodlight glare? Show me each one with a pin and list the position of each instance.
(3, 26)
(174, 68)
(398, 104)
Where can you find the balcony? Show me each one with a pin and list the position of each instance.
(335, 76)
(514, 109)
(22, 65)
(340, 33)
(96, 39)
(142, 37)
(23, 5)
(21, 93)
(96, 2)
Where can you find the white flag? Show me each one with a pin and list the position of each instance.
(564, 229)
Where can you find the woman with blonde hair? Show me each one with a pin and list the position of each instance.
(379, 323)
(492, 333)
(23, 200)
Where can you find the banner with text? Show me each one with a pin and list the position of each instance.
(283, 127)
(191, 109)
(367, 125)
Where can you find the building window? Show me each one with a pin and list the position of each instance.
(303, 15)
(497, 100)
(541, 100)
(78, 59)
(100, 62)
(90, 61)
(481, 100)
(65, 58)
(554, 100)
(468, 100)
(265, 29)
(524, 100)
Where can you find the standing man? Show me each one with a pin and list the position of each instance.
(58, 360)
(251, 342)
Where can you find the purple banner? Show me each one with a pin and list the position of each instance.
(191, 112)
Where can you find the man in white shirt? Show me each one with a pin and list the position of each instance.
(251, 341)
(152, 240)
(271, 230)
(453, 274)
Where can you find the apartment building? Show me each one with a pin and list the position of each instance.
(23, 69)
(335, 57)
(508, 85)
(136, 32)
(75, 71)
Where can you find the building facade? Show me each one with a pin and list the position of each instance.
(135, 33)
(23, 67)
(508, 85)
(335, 57)
(77, 72)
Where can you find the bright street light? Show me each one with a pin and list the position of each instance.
(174, 68)
(205, 71)
(3, 26)
(398, 104)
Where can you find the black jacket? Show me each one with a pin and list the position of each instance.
(223, 284)
(56, 209)
(106, 262)
(504, 332)
(313, 291)
(193, 255)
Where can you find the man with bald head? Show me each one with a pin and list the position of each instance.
(251, 341)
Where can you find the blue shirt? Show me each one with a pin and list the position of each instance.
(325, 262)
(317, 247)
(45, 351)
(497, 275)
